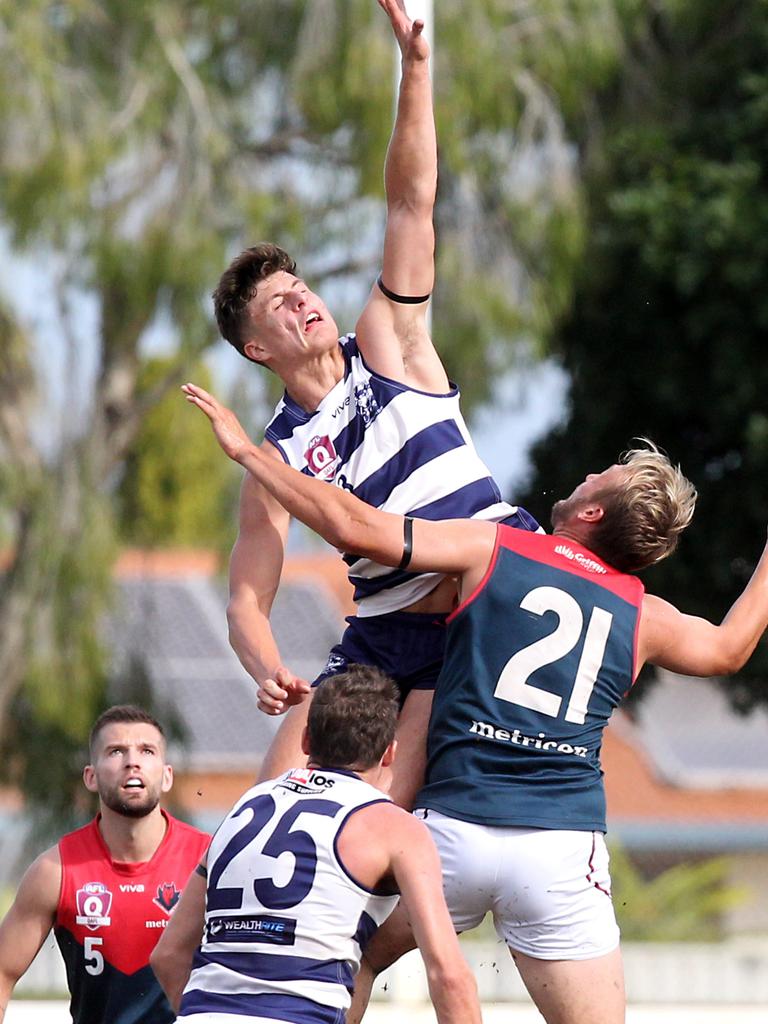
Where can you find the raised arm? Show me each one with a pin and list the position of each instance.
(458, 546)
(28, 922)
(393, 336)
(693, 646)
(254, 575)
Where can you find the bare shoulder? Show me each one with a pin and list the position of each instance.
(256, 503)
(656, 615)
(41, 884)
(47, 865)
(382, 844)
(395, 342)
(388, 825)
(662, 629)
(270, 449)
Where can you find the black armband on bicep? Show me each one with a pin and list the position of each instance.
(405, 561)
(409, 300)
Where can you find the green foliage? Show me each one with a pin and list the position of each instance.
(666, 338)
(148, 141)
(67, 668)
(141, 145)
(685, 903)
(67, 557)
(176, 488)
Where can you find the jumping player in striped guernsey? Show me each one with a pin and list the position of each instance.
(108, 890)
(550, 633)
(282, 936)
(373, 413)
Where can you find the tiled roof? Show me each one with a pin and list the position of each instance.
(173, 622)
(686, 771)
(645, 810)
(695, 738)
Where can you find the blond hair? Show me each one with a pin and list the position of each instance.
(646, 514)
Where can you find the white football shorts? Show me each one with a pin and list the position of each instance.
(549, 891)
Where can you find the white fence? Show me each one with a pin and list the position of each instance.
(706, 974)
(20, 1012)
(717, 974)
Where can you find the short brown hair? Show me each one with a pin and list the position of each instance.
(237, 287)
(645, 516)
(352, 719)
(121, 714)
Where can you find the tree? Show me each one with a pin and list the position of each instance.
(176, 490)
(684, 903)
(142, 144)
(668, 327)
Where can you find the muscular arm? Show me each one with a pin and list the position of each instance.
(696, 647)
(171, 959)
(254, 575)
(416, 867)
(25, 926)
(394, 337)
(384, 843)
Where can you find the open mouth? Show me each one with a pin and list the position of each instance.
(312, 319)
(134, 784)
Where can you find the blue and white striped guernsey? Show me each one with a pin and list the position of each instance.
(402, 450)
(284, 923)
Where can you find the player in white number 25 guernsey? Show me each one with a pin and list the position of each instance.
(300, 875)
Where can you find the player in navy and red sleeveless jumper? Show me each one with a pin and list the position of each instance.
(513, 740)
(109, 888)
(550, 634)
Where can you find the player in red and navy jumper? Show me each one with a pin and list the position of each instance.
(111, 914)
(108, 889)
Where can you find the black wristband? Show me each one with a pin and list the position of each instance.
(405, 561)
(409, 300)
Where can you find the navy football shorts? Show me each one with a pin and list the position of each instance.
(408, 646)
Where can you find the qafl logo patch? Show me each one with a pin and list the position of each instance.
(93, 904)
(167, 896)
(322, 458)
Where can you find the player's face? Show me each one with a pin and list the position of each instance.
(288, 320)
(129, 771)
(593, 485)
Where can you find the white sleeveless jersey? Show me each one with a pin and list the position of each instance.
(402, 450)
(284, 922)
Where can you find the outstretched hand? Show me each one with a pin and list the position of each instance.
(408, 34)
(226, 426)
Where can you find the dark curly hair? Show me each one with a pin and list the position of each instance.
(352, 719)
(237, 287)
